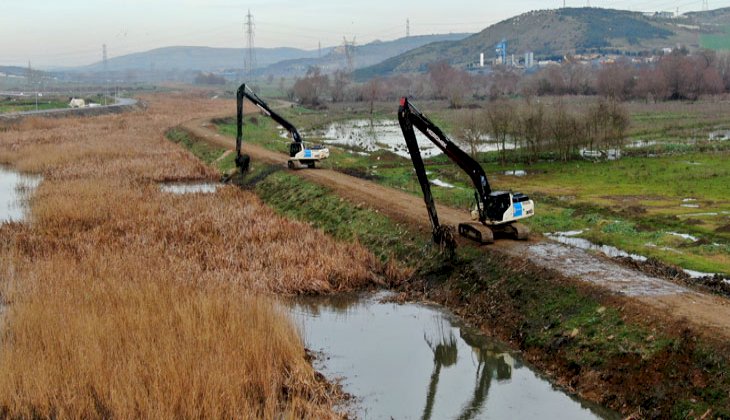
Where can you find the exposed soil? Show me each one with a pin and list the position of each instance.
(705, 314)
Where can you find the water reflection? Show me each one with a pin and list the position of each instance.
(416, 361)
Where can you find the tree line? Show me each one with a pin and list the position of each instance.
(533, 128)
(675, 76)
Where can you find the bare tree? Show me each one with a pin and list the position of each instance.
(616, 80)
(341, 79)
(533, 128)
(311, 87)
(472, 126)
(372, 91)
(564, 130)
(449, 83)
(500, 115)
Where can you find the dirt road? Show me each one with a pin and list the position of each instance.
(708, 313)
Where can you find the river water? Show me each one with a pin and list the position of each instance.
(415, 361)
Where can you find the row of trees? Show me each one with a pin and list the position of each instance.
(675, 76)
(533, 127)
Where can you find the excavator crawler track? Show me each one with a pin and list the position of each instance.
(476, 232)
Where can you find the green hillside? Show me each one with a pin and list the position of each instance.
(552, 33)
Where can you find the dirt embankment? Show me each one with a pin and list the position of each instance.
(705, 313)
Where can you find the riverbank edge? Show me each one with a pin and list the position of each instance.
(603, 347)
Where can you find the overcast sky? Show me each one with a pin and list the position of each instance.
(71, 32)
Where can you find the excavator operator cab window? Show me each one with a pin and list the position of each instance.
(295, 148)
(499, 202)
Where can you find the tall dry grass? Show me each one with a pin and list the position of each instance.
(123, 301)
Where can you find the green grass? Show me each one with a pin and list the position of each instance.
(716, 41)
(21, 106)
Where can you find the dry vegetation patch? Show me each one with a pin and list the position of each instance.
(124, 301)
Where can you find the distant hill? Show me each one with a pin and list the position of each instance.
(552, 33)
(276, 61)
(197, 58)
(14, 70)
(715, 26)
(362, 56)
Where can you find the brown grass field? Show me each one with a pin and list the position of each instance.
(124, 301)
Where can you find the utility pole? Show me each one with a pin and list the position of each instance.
(408, 28)
(106, 70)
(250, 62)
(349, 53)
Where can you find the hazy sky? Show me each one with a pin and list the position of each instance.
(71, 32)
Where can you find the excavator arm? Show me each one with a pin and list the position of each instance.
(497, 211)
(408, 117)
(246, 92)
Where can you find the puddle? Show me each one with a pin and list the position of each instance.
(641, 143)
(15, 189)
(690, 206)
(415, 361)
(684, 236)
(719, 135)
(441, 183)
(371, 136)
(608, 154)
(517, 172)
(190, 188)
(568, 238)
(698, 274)
(581, 243)
(688, 200)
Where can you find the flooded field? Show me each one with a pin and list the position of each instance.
(15, 189)
(415, 361)
(371, 136)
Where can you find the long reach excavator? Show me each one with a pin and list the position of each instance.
(298, 154)
(494, 212)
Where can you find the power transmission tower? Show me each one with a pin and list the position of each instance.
(588, 3)
(408, 28)
(563, 4)
(320, 49)
(705, 5)
(349, 47)
(250, 62)
(104, 57)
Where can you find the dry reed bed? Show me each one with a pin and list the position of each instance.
(124, 301)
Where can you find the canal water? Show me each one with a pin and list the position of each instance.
(15, 189)
(415, 361)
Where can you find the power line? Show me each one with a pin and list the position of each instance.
(250, 62)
